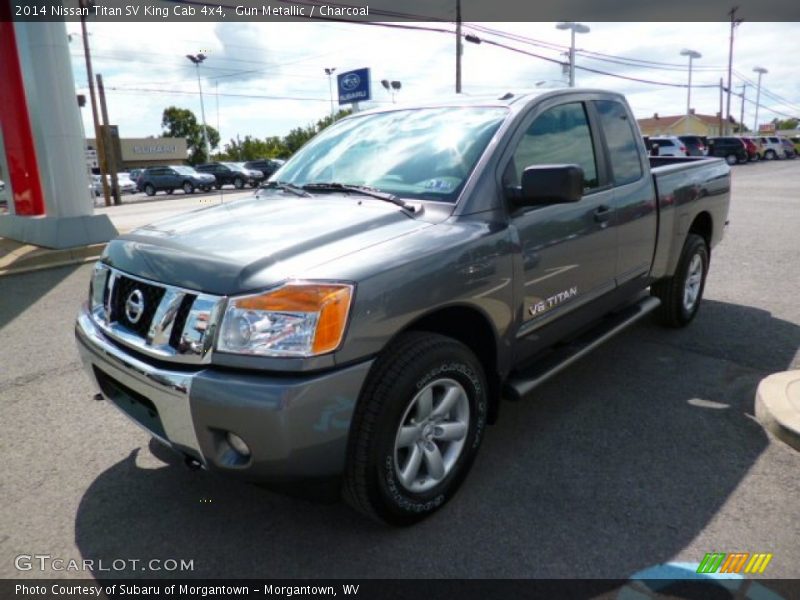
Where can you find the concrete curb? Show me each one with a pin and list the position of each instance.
(49, 259)
(778, 406)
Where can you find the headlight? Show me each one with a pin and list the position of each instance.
(298, 319)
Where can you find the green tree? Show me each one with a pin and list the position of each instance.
(181, 122)
(786, 123)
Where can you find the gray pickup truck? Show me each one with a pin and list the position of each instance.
(359, 318)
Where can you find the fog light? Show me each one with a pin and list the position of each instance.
(237, 444)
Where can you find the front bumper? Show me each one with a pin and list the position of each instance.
(296, 426)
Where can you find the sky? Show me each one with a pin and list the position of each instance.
(264, 79)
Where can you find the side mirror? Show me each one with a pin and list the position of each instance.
(549, 184)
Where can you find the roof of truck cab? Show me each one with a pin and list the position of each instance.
(511, 98)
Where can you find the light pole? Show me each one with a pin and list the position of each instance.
(761, 71)
(574, 28)
(734, 24)
(391, 87)
(329, 72)
(692, 54)
(197, 59)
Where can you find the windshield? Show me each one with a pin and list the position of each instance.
(422, 153)
(234, 166)
(185, 170)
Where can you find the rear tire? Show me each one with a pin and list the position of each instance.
(769, 155)
(682, 293)
(731, 159)
(169, 191)
(149, 190)
(416, 428)
(238, 183)
(188, 188)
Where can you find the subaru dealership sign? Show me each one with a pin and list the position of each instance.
(354, 86)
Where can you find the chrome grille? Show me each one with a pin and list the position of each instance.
(174, 324)
(152, 295)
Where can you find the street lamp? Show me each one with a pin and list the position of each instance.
(692, 54)
(197, 59)
(391, 87)
(574, 28)
(761, 71)
(329, 72)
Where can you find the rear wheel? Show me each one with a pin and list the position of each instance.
(188, 188)
(416, 429)
(218, 186)
(150, 190)
(170, 190)
(731, 159)
(769, 155)
(681, 294)
(238, 183)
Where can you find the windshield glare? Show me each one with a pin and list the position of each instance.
(422, 153)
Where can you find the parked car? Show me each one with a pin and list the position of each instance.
(796, 143)
(773, 148)
(364, 329)
(267, 166)
(732, 149)
(759, 147)
(669, 145)
(696, 145)
(3, 198)
(134, 174)
(256, 174)
(126, 186)
(171, 178)
(229, 173)
(788, 148)
(751, 148)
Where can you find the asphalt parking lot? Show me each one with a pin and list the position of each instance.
(645, 453)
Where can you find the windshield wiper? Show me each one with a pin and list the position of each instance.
(287, 187)
(359, 189)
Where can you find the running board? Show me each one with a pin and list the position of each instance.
(522, 383)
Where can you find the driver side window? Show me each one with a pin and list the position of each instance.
(560, 135)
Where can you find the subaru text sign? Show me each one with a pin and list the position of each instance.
(354, 86)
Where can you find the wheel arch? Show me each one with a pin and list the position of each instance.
(473, 328)
(703, 225)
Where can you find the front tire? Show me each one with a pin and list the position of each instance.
(149, 190)
(682, 293)
(238, 183)
(731, 159)
(770, 155)
(188, 188)
(416, 429)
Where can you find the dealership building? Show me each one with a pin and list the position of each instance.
(131, 153)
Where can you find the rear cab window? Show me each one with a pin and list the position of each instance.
(626, 163)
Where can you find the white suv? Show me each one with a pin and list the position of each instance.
(773, 148)
(669, 145)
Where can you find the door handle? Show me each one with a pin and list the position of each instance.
(602, 213)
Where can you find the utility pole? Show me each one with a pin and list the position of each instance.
(761, 71)
(101, 150)
(734, 24)
(741, 116)
(574, 28)
(721, 84)
(112, 163)
(459, 48)
(197, 60)
(329, 72)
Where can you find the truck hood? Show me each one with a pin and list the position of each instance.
(258, 242)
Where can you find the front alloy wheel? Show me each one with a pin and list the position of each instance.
(416, 428)
(431, 435)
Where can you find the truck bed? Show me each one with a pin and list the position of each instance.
(685, 188)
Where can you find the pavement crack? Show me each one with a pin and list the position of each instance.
(41, 374)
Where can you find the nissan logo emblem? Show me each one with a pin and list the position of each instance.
(134, 306)
(350, 81)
